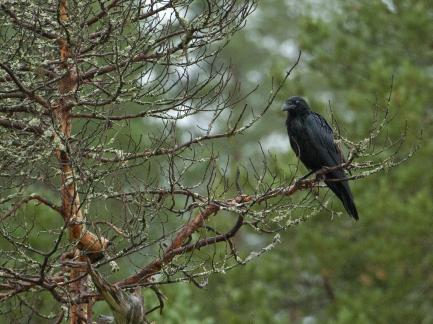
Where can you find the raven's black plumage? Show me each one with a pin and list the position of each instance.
(312, 140)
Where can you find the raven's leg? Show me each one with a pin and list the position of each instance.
(322, 175)
(298, 181)
(306, 176)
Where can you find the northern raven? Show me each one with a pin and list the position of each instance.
(312, 140)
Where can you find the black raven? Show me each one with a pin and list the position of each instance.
(312, 140)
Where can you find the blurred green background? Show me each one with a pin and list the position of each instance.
(327, 270)
(380, 269)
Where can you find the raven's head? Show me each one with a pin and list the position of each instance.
(296, 106)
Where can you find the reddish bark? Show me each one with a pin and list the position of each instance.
(72, 214)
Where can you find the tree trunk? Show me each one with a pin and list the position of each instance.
(87, 242)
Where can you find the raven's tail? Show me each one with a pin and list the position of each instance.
(342, 190)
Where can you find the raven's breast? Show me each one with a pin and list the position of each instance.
(303, 145)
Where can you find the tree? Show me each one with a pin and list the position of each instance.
(93, 99)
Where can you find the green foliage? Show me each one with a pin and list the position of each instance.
(379, 269)
(176, 312)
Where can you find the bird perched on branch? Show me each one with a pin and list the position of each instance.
(312, 139)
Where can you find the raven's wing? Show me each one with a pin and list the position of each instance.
(322, 140)
(329, 154)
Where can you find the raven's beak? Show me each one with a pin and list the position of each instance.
(287, 107)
